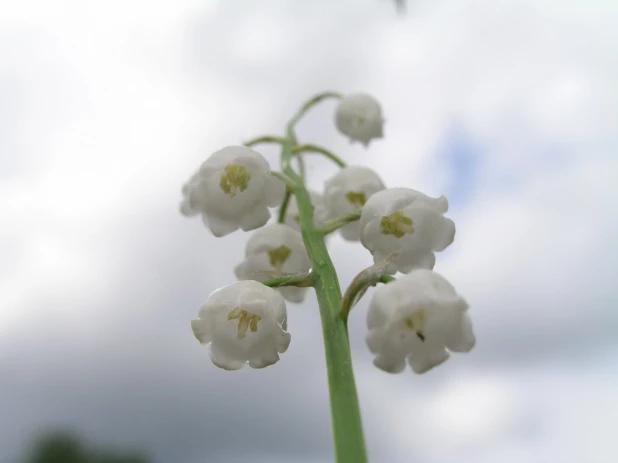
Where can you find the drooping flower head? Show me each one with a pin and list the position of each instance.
(273, 251)
(348, 191)
(359, 116)
(418, 318)
(406, 222)
(232, 189)
(244, 323)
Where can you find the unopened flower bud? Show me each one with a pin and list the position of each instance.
(359, 116)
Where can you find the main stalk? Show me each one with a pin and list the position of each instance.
(345, 412)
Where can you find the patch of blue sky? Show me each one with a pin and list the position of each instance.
(461, 156)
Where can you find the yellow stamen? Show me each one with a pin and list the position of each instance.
(358, 199)
(245, 320)
(396, 224)
(279, 256)
(234, 177)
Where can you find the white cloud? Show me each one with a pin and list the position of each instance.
(548, 414)
(120, 101)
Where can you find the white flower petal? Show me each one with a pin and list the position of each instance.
(293, 294)
(462, 339)
(274, 191)
(417, 317)
(347, 191)
(446, 236)
(406, 222)
(201, 331)
(275, 250)
(408, 261)
(374, 339)
(255, 218)
(350, 232)
(390, 364)
(422, 364)
(232, 189)
(219, 226)
(265, 359)
(222, 358)
(282, 341)
(244, 322)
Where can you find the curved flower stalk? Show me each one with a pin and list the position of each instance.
(348, 191)
(406, 222)
(359, 116)
(275, 250)
(232, 189)
(418, 318)
(244, 323)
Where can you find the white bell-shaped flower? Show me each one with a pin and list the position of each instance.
(275, 250)
(232, 189)
(320, 213)
(418, 318)
(359, 116)
(348, 191)
(407, 223)
(244, 322)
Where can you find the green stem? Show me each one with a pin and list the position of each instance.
(357, 289)
(345, 411)
(301, 166)
(302, 280)
(386, 279)
(284, 206)
(288, 183)
(308, 105)
(265, 139)
(339, 222)
(318, 149)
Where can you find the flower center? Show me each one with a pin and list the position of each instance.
(279, 256)
(396, 224)
(245, 320)
(234, 177)
(357, 198)
(416, 323)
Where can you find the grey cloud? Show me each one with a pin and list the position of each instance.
(143, 379)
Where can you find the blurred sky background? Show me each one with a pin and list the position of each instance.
(510, 108)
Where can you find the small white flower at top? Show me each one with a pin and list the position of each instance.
(418, 318)
(273, 251)
(244, 323)
(348, 191)
(407, 223)
(232, 189)
(359, 116)
(320, 213)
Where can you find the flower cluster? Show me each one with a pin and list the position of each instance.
(418, 318)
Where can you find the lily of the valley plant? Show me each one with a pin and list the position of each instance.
(417, 318)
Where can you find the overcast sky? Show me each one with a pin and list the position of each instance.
(508, 108)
